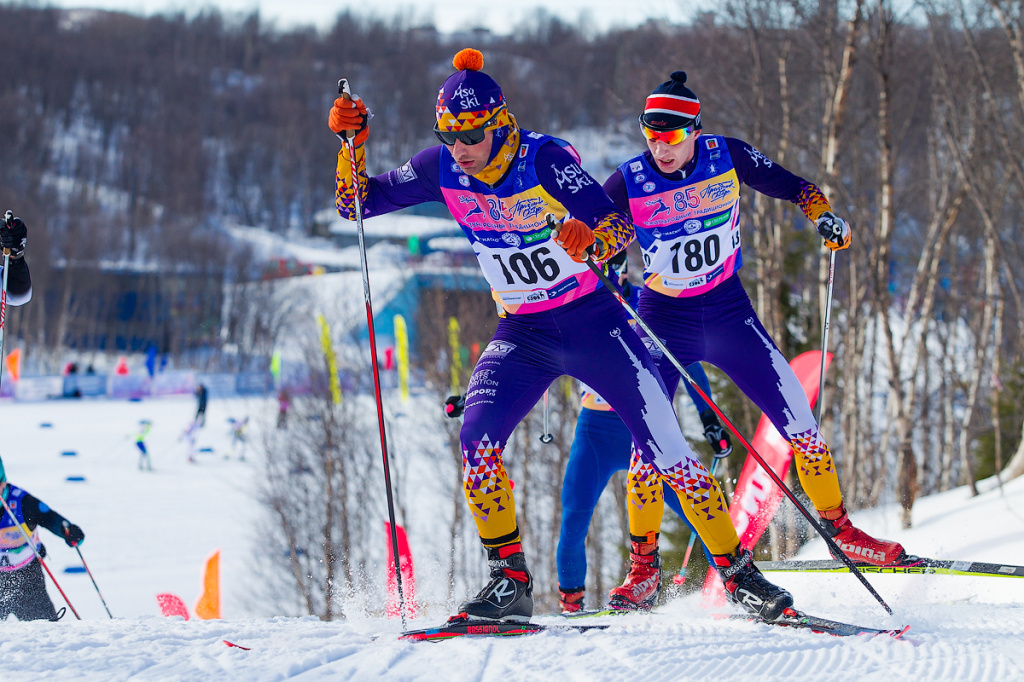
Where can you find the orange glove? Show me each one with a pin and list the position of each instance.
(350, 115)
(575, 237)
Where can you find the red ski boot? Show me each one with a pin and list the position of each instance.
(643, 583)
(857, 544)
(570, 601)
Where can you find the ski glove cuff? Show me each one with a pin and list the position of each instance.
(834, 230)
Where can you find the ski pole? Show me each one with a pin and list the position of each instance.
(681, 577)
(833, 547)
(8, 223)
(824, 334)
(38, 557)
(546, 437)
(86, 566)
(348, 140)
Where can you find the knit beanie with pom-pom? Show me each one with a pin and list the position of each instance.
(672, 105)
(469, 97)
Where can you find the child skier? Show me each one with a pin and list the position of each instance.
(22, 585)
(140, 442)
(238, 443)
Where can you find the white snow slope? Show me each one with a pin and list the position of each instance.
(150, 533)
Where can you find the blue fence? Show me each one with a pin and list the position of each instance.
(134, 386)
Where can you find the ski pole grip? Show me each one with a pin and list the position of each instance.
(8, 223)
(344, 91)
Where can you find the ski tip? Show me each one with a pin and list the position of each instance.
(898, 634)
(237, 646)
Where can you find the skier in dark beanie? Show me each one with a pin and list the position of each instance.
(22, 585)
(499, 181)
(683, 197)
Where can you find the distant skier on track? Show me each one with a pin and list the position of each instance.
(22, 584)
(499, 182)
(694, 301)
(145, 426)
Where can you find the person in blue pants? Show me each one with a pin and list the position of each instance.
(600, 448)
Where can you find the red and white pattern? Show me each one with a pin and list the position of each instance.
(672, 104)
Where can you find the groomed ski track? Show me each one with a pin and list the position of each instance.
(961, 627)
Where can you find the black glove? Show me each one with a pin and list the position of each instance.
(73, 535)
(455, 406)
(834, 230)
(721, 443)
(14, 237)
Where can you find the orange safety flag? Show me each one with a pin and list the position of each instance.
(14, 364)
(208, 605)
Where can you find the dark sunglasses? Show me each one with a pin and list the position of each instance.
(467, 137)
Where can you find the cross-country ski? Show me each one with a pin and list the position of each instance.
(910, 565)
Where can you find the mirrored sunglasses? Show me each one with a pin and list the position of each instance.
(669, 137)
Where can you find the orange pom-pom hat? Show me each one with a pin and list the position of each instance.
(470, 98)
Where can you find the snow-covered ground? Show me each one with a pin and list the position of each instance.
(151, 532)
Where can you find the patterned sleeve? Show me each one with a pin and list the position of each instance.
(615, 188)
(560, 174)
(415, 182)
(768, 177)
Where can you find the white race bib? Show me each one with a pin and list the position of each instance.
(528, 274)
(691, 257)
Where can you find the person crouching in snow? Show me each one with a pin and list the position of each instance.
(22, 585)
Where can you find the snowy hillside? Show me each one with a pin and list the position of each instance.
(150, 532)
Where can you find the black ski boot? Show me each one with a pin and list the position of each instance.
(509, 594)
(747, 587)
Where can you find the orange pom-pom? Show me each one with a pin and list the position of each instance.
(468, 60)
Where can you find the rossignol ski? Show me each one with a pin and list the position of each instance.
(463, 627)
